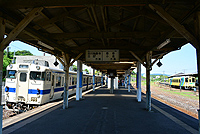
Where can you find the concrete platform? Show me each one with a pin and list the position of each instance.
(103, 113)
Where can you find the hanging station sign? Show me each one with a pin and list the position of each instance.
(110, 55)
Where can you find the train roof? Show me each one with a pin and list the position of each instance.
(182, 74)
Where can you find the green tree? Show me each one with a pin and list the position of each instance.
(23, 52)
(133, 72)
(97, 72)
(74, 68)
(87, 71)
(7, 58)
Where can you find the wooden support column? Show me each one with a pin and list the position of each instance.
(2, 32)
(139, 94)
(197, 33)
(66, 65)
(198, 70)
(79, 80)
(66, 86)
(148, 89)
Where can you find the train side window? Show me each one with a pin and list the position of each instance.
(11, 74)
(52, 84)
(58, 81)
(43, 75)
(73, 82)
(84, 80)
(70, 80)
(62, 81)
(186, 79)
(189, 80)
(193, 79)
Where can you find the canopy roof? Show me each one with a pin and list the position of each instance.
(74, 26)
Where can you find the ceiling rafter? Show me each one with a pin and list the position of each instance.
(99, 35)
(68, 15)
(57, 27)
(175, 24)
(124, 20)
(32, 32)
(155, 24)
(97, 23)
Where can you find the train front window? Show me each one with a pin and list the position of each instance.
(22, 77)
(37, 75)
(11, 74)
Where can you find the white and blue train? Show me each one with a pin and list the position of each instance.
(30, 85)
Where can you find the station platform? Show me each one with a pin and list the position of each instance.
(103, 113)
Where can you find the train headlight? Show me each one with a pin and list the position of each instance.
(7, 88)
(37, 67)
(38, 91)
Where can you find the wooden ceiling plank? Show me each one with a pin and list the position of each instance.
(104, 18)
(60, 17)
(82, 3)
(124, 20)
(176, 25)
(99, 35)
(95, 18)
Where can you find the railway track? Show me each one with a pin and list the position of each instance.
(181, 103)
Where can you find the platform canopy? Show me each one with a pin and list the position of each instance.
(134, 27)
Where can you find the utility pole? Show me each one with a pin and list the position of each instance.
(163, 76)
(7, 52)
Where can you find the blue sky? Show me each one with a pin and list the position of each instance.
(183, 60)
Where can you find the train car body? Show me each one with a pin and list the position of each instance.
(31, 84)
(186, 82)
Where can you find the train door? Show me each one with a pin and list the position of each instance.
(52, 87)
(186, 83)
(22, 94)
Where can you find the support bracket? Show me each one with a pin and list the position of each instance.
(16, 31)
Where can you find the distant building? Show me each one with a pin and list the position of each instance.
(157, 77)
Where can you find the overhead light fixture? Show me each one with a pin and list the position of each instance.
(164, 44)
(56, 63)
(45, 45)
(159, 64)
